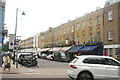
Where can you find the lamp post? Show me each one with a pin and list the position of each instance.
(16, 36)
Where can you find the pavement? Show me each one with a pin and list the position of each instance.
(20, 70)
(34, 72)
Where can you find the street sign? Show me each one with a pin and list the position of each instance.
(11, 44)
(11, 41)
(1, 42)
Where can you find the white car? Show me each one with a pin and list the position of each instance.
(88, 67)
(50, 57)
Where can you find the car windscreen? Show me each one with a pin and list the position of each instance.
(62, 54)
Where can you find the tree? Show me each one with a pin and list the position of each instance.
(6, 47)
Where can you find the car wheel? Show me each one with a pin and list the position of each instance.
(85, 76)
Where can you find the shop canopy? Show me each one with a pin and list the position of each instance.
(65, 48)
(55, 49)
(44, 49)
(88, 48)
(75, 49)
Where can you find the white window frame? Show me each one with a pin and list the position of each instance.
(110, 35)
(110, 15)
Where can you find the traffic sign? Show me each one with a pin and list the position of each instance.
(11, 41)
(1, 42)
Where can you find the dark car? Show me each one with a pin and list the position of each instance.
(27, 60)
(59, 56)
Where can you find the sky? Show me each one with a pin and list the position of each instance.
(42, 14)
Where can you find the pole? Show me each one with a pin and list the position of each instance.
(15, 36)
(16, 22)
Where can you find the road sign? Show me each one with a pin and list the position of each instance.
(11, 41)
(11, 44)
(1, 42)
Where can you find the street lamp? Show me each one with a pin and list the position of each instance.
(23, 13)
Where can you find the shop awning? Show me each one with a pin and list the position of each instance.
(75, 49)
(65, 48)
(44, 49)
(88, 48)
(55, 49)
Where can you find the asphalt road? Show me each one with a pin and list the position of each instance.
(43, 63)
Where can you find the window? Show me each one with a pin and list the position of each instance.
(78, 26)
(64, 30)
(94, 61)
(68, 29)
(98, 20)
(98, 36)
(111, 52)
(60, 31)
(83, 38)
(110, 35)
(83, 24)
(90, 23)
(77, 40)
(111, 62)
(116, 51)
(91, 36)
(72, 28)
(110, 15)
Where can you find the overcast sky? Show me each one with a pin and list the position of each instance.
(42, 14)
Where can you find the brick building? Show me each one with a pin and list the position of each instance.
(102, 25)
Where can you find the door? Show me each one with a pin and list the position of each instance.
(113, 68)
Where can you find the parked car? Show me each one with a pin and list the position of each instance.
(94, 67)
(39, 54)
(27, 59)
(50, 57)
(44, 54)
(59, 56)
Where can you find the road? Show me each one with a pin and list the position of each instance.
(43, 63)
(50, 67)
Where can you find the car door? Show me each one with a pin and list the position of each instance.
(113, 68)
(96, 67)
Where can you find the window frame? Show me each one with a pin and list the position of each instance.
(110, 15)
(110, 35)
(98, 20)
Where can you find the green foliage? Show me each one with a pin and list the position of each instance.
(6, 47)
